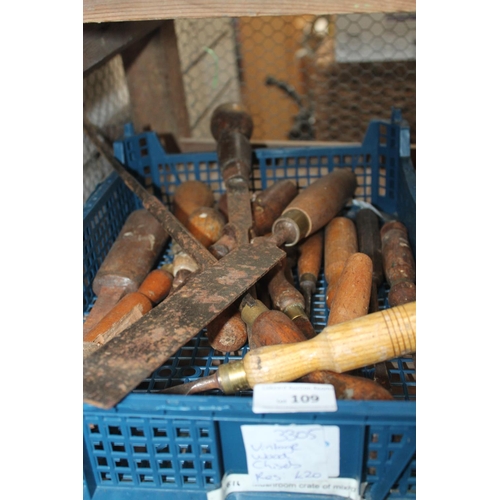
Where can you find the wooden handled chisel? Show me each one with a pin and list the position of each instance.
(366, 340)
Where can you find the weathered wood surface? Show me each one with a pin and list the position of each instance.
(134, 10)
(103, 41)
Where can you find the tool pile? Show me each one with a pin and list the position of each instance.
(246, 269)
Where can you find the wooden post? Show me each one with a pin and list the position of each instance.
(154, 78)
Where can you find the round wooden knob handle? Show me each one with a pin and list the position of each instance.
(231, 117)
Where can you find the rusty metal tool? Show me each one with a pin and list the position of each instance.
(155, 287)
(131, 257)
(169, 222)
(232, 127)
(339, 348)
(120, 365)
(267, 206)
(309, 265)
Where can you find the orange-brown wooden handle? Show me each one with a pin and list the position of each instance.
(399, 263)
(134, 303)
(227, 332)
(353, 291)
(274, 328)
(157, 285)
(206, 224)
(269, 204)
(324, 198)
(349, 386)
(341, 241)
(310, 256)
(347, 346)
(282, 292)
(189, 196)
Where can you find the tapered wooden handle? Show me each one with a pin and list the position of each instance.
(324, 198)
(341, 242)
(310, 257)
(353, 344)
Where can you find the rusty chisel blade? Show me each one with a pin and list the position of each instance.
(119, 366)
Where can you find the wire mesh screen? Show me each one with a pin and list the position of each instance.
(317, 78)
(106, 103)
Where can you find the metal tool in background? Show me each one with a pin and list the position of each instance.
(303, 122)
(340, 348)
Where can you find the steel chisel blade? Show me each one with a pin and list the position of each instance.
(115, 369)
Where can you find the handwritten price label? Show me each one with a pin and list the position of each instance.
(291, 453)
(293, 398)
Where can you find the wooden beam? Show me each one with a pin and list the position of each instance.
(103, 41)
(154, 79)
(139, 10)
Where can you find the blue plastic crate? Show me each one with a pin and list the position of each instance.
(151, 445)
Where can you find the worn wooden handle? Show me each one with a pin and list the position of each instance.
(341, 242)
(268, 205)
(353, 344)
(310, 257)
(352, 297)
(189, 196)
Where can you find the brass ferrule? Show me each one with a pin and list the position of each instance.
(169, 267)
(250, 313)
(294, 224)
(295, 311)
(232, 377)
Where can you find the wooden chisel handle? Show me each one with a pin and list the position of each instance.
(132, 306)
(268, 205)
(341, 242)
(352, 297)
(315, 206)
(399, 263)
(353, 344)
(189, 196)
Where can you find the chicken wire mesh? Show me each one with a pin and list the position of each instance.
(317, 78)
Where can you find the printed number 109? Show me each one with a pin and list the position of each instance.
(305, 398)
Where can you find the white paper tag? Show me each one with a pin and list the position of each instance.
(291, 453)
(340, 486)
(293, 398)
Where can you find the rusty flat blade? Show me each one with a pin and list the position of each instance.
(119, 366)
